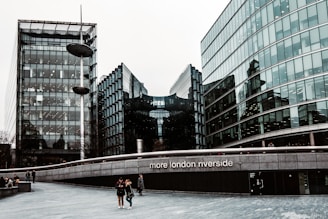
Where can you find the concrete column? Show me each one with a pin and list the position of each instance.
(312, 141)
(139, 146)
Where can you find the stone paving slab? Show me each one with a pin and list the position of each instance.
(63, 201)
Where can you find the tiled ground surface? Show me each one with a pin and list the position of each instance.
(61, 201)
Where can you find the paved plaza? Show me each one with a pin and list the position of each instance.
(63, 201)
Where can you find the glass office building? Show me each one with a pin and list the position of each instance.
(127, 114)
(265, 74)
(46, 127)
(113, 91)
(189, 86)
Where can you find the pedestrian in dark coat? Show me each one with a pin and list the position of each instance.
(120, 187)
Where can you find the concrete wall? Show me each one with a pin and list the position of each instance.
(240, 162)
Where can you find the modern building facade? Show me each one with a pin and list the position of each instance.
(45, 112)
(265, 74)
(127, 114)
(189, 86)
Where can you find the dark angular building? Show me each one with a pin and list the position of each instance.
(127, 113)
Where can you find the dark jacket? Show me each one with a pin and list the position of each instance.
(120, 187)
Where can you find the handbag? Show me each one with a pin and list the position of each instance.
(131, 194)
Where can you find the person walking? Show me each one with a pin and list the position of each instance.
(120, 187)
(129, 192)
(28, 176)
(33, 176)
(141, 184)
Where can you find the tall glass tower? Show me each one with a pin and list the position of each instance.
(265, 73)
(47, 128)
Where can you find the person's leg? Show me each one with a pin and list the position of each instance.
(122, 199)
(129, 200)
(119, 201)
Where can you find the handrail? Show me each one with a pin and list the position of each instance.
(194, 152)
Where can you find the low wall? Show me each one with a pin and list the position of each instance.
(4, 192)
(24, 186)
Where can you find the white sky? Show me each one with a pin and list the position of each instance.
(156, 39)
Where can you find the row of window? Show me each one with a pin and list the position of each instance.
(252, 44)
(293, 117)
(28, 39)
(59, 115)
(299, 68)
(240, 10)
(293, 93)
(55, 71)
(48, 57)
(299, 20)
(289, 71)
(43, 100)
(309, 40)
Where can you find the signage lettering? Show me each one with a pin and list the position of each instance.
(191, 164)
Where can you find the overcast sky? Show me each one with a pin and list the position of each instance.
(155, 39)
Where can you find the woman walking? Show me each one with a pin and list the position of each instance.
(120, 187)
(129, 192)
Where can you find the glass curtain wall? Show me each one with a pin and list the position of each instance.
(265, 74)
(127, 113)
(48, 109)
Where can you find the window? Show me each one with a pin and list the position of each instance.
(275, 76)
(325, 60)
(270, 13)
(281, 51)
(267, 58)
(312, 16)
(315, 40)
(290, 71)
(320, 91)
(265, 37)
(276, 9)
(310, 92)
(324, 36)
(279, 31)
(288, 48)
(305, 39)
(286, 26)
(300, 91)
(269, 78)
(293, 5)
(273, 55)
(264, 16)
(322, 12)
(307, 65)
(317, 63)
(284, 96)
(294, 23)
(302, 14)
(282, 73)
(296, 45)
(298, 64)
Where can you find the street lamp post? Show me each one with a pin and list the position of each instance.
(80, 50)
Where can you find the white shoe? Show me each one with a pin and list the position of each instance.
(129, 207)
